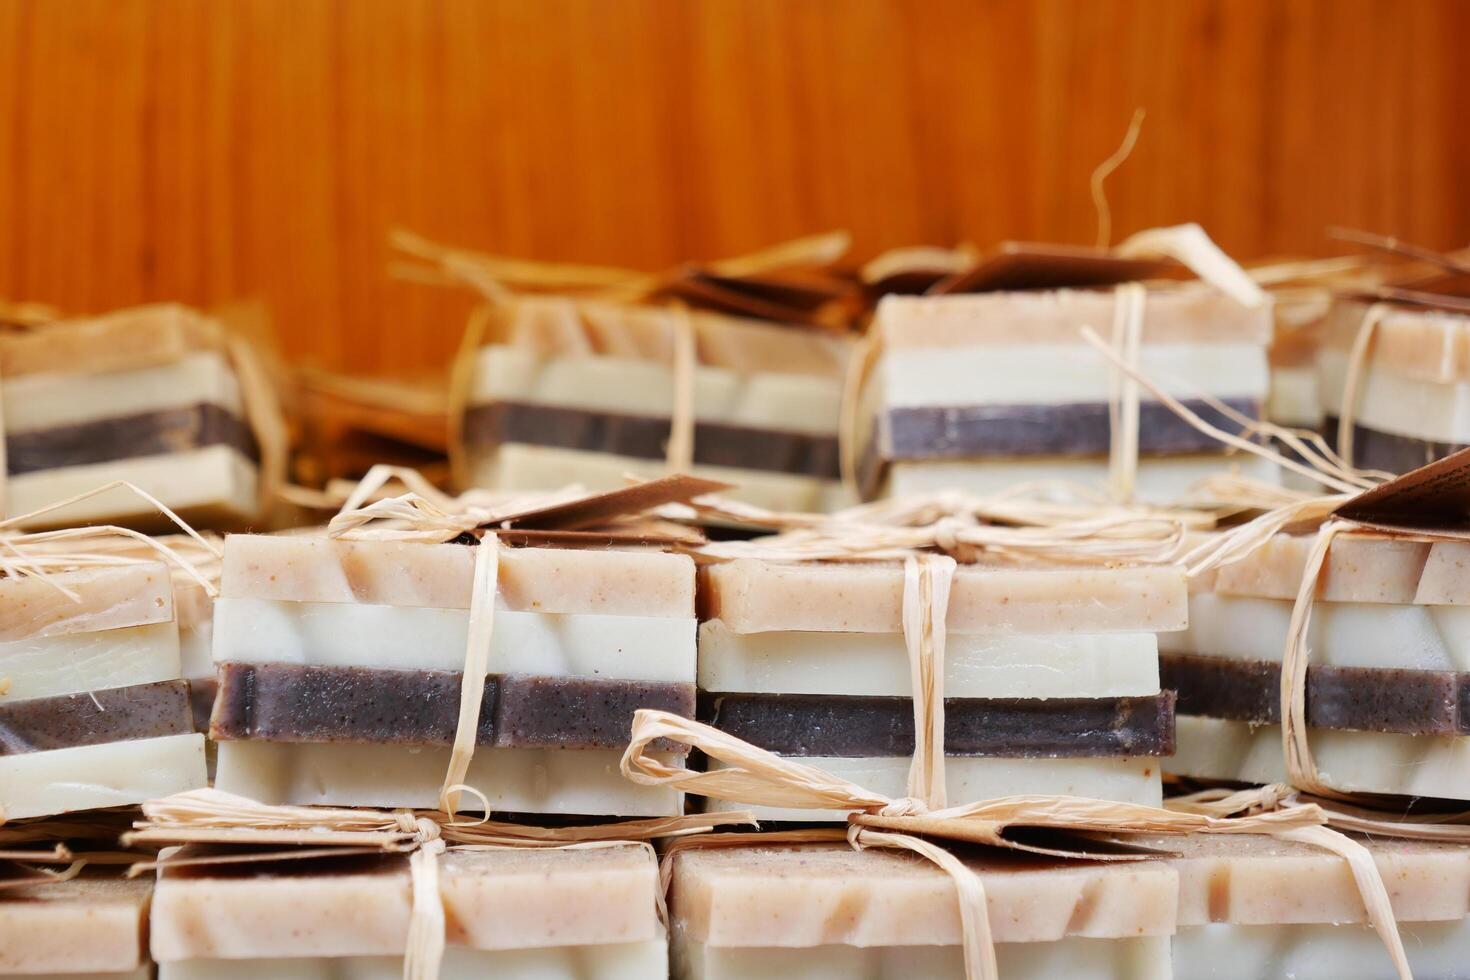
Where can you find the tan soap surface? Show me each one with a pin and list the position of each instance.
(820, 895)
(493, 900)
(91, 924)
(1426, 345)
(752, 596)
(106, 598)
(305, 568)
(1360, 567)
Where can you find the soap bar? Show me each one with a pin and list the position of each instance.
(292, 703)
(116, 714)
(1286, 909)
(45, 666)
(92, 925)
(826, 910)
(1394, 405)
(1423, 344)
(857, 727)
(107, 598)
(752, 596)
(513, 909)
(88, 777)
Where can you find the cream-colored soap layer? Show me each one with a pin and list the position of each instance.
(211, 485)
(87, 777)
(40, 401)
(514, 780)
(752, 596)
(825, 895)
(1294, 400)
(1343, 634)
(301, 568)
(1183, 314)
(104, 599)
(339, 634)
(85, 926)
(520, 466)
(1061, 374)
(1161, 479)
(1254, 880)
(1357, 762)
(141, 973)
(1221, 951)
(628, 386)
(1392, 403)
(976, 665)
(196, 651)
(624, 961)
(970, 779)
(1074, 959)
(1360, 567)
(76, 662)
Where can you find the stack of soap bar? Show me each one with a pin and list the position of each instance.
(548, 914)
(1257, 907)
(581, 392)
(93, 712)
(93, 926)
(829, 912)
(986, 391)
(340, 667)
(146, 395)
(1388, 681)
(1051, 675)
(1413, 403)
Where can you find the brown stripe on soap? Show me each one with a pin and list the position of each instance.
(297, 703)
(866, 727)
(1390, 700)
(147, 434)
(119, 714)
(1376, 450)
(201, 701)
(1075, 429)
(645, 437)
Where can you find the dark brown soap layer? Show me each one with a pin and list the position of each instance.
(1362, 699)
(1375, 450)
(120, 714)
(1076, 429)
(127, 437)
(296, 703)
(1022, 728)
(201, 701)
(645, 437)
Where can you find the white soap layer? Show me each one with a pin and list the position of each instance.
(398, 638)
(40, 401)
(141, 973)
(71, 663)
(86, 777)
(196, 650)
(519, 466)
(1223, 951)
(1393, 403)
(1294, 400)
(1056, 374)
(1072, 958)
(519, 780)
(971, 779)
(1353, 762)
(976, 665)
(1161, 479)
(215, 481)
(629, 386)
(1343, 634)
(615, 961)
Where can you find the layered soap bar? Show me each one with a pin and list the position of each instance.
(1413, 396)
(340, 667)
(534, 912)
(1388, 675)
(94, 926)
(578, 391)
(827, 911)
(93, 710)
(1251, 906)
(147, 395)
(970, 381)
(1051, 674)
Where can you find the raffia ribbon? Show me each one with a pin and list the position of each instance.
(1353, 379)
(1123, 405)
(679, 453)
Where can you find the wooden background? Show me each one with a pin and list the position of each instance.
(195, 150)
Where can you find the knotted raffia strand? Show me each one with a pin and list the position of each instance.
(926, 586)
(476, 667)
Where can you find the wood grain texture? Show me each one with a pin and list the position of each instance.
(178, 149)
